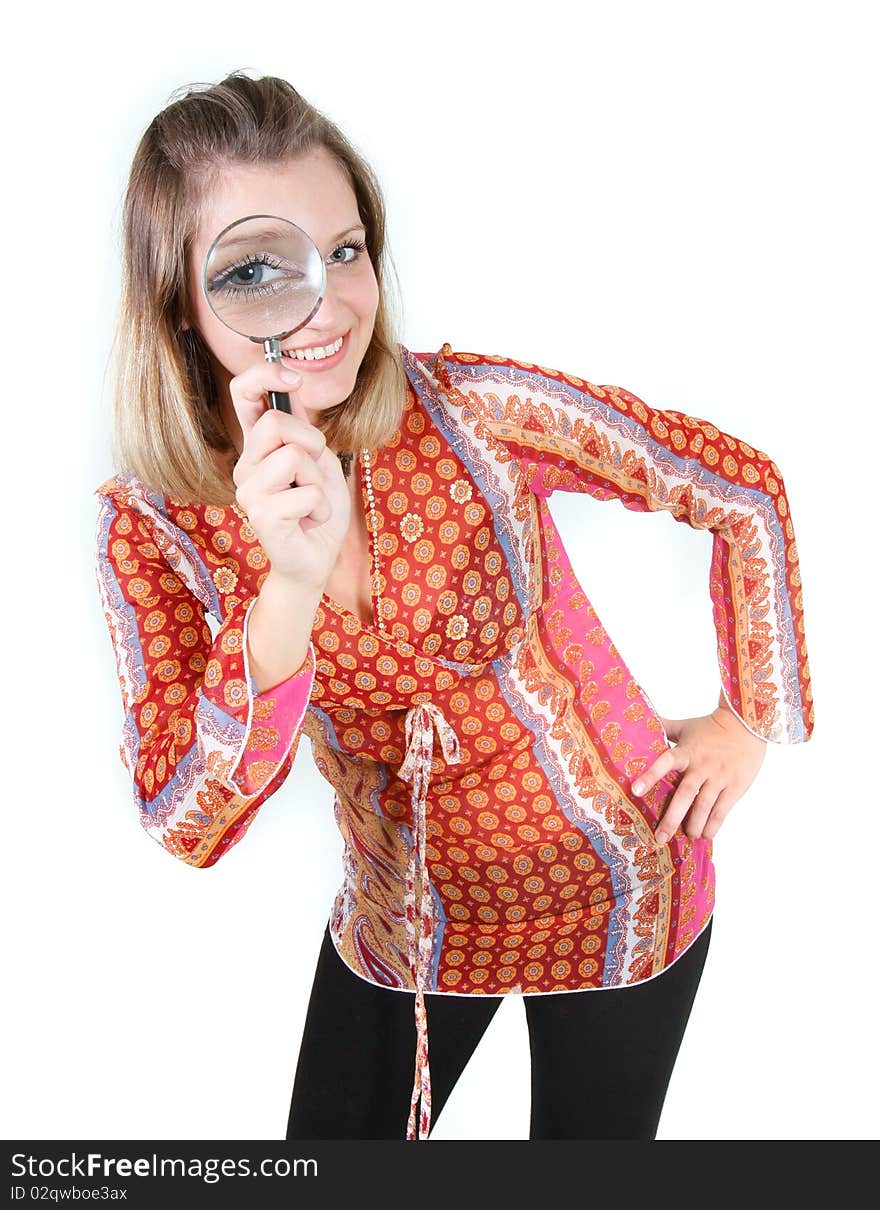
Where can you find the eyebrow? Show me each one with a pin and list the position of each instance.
(348, 230)
(281, 233)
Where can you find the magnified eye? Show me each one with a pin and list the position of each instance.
(254, 276)
(250, 275)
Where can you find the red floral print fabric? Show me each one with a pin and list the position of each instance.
(514, 859)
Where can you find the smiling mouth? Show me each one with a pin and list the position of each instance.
(315, 353)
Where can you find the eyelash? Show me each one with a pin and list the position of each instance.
(358, 245)
(221, 279)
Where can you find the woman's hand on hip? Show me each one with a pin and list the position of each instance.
(718, 758)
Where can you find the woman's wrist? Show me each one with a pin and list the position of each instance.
(279, 630)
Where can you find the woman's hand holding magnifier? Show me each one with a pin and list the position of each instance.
(290, 485)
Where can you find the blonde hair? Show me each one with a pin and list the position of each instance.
(165, 409)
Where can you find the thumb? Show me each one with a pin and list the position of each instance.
(671, 726)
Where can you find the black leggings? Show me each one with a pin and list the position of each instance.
(601, 1061)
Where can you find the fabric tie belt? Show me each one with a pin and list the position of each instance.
(416, 767)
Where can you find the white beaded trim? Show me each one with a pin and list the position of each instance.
(373, 517)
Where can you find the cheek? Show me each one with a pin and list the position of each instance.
(365, 295)
(234, 352)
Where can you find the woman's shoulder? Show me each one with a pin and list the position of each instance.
(112, 486)
(446, 365)
(450, 366)
(127, 489)
(126, 494)
(437, 360)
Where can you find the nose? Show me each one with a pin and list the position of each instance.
(333, 316)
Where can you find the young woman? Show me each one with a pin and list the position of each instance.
(515, 818)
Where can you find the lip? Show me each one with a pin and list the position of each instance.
(315, 367)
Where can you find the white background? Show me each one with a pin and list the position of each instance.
(676, 198)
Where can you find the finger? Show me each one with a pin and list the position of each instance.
(272, 431)
(671, 759)
(671, 726)
(309, 502)
(285, 468)
(701, 809)
(249, 390)
(723, 803)
(678, 807)
(265, 509)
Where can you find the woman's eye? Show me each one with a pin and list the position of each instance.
(355, 248)
(251, 275)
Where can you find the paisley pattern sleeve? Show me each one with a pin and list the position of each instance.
(203, 748)
(567, 434)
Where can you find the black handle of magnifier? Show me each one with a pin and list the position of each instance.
(281, 401)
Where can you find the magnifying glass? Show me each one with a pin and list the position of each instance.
(264, 278)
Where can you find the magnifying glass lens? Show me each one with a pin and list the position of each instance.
(264, 278)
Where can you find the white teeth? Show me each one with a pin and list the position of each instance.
(316, 354)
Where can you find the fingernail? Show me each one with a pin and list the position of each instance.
(290, 376)
(661, 838)
(638, 787)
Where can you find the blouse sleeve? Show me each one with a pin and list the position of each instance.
(567, 434)
(203, 748)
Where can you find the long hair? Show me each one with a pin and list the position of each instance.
(165, 406)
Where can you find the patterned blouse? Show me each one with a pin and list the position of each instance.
(514, 859)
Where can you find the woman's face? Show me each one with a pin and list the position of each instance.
(313, 192)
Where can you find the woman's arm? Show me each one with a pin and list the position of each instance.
(563, 433)
(205, 747)
(279, 631)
